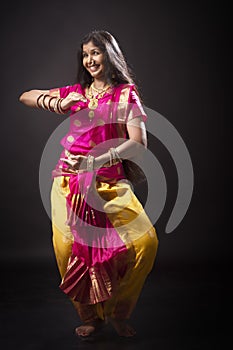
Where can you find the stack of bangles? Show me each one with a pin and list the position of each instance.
(44, 101)
(90, 163)
(114, 158)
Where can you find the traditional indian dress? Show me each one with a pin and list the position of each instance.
(105, 244)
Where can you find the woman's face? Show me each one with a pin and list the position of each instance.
(93, 60)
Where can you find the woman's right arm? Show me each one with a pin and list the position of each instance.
(29, 98)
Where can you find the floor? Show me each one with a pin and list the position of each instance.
(182, 306)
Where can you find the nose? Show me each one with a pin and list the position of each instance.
(90, 59)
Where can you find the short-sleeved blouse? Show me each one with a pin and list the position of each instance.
(116, 108)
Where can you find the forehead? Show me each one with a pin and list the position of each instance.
(90, 46)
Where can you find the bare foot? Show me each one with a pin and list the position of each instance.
(87, 329)
(122, 328)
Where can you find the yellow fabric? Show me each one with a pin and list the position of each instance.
(135, 229)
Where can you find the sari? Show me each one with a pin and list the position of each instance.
(104, 242)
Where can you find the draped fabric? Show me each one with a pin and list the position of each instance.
(104, 216)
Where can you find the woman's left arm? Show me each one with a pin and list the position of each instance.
(129, 149)
(134, 146)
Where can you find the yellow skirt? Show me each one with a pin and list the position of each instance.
(133, 227)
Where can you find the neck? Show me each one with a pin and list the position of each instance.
(99, 84)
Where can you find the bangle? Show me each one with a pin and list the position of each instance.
(117, 155)
(90, 163)
(50, 108)
(110, 157)
(43, 102)
(114, 155)
(55, 105)
(61, 111)
(37, 101)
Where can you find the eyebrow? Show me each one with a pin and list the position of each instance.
(93, 49)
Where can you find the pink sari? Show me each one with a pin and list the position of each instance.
(99, 255)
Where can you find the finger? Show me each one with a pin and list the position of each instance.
(77, 97)
(67, 170)
(64, 160)
(68, 161)
(74, 157)
(78, 157)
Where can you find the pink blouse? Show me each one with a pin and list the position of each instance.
(107, 127)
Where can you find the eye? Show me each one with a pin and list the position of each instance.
(84, 54)
(96, 52)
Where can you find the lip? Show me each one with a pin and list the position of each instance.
(94, 67)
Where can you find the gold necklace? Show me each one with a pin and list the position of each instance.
(93, 103)
(99, 91)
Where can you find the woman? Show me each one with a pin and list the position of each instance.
(104, 243)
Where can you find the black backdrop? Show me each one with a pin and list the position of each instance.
(180, 53)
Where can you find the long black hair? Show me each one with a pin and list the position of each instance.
(117, 70)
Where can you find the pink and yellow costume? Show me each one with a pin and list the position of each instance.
(105, 244)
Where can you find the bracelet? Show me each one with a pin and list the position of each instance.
(59, 106)
(117, 156)
(37, 101)
(114, 155)
(50, 108)
(61, 111)
(110, 157)
(90, 163)
(43, 102)
(55, 105)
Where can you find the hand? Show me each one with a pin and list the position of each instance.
(72, 99)
(76, 163)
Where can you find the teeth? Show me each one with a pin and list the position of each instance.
(93, 68)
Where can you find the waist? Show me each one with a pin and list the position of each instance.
(108, 164)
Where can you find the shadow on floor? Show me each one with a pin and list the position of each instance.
(179, 308)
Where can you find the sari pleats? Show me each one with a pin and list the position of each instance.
(109, 279)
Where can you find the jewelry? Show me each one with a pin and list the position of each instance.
(60, 109)
(117, 155)
(99, 91)
(93, 103)
(42, 103)
(37, 101)
(50, 108)
(90, 163)
(110, 157)
(55, 106)
(114, 155)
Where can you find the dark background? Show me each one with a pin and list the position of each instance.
(180, 52)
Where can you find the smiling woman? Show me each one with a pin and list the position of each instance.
(93, 61)
(104, 243)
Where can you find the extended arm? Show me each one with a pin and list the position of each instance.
(42, 99)
(29, 98)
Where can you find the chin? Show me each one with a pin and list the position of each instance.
(96, 75)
